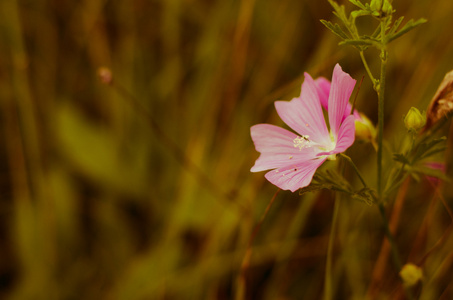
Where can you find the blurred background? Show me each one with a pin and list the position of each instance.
(140, 188)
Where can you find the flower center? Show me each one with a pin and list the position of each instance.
(302, 142)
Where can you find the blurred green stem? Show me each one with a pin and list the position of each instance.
(367, 68)
(381, 119)
(355, 168)
(328, 274)
(241, 288)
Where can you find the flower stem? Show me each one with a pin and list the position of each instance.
(355, 168)
(328, 274)
(241, 282)
(388, 233)
(381, 121)
(367, 68)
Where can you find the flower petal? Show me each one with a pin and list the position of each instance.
(294, 177)
(340, 92)
(346, 134)
(277, 147)
(346, 137)
(304, 114)
(323, 88)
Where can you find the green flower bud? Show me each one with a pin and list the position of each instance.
(414, 120)
(387, 8)
(364, 129)
(411, 274)
(376, 6)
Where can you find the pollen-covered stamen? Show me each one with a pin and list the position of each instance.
(302, 142)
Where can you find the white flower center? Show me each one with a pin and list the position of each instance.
(302, 142)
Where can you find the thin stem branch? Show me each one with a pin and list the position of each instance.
(328, 290)
(356, 94)
(241, 289)
(367, 68)
(355, 168)
(381, 120)
(388, 233)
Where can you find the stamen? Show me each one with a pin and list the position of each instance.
(301, 142)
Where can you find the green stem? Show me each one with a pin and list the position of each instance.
(328, 274)
(383, 56)
(367, 68)
(241, 282)
(381, 120)
(355, 168)
(396, 256)
(388, 233)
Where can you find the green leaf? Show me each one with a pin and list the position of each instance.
(366, 195)
(395, 26)
(433, 152)
(360, 13)
(423, 148)
(336, 29)
(314, 187)
(358, 4)
(431, 172)
(406, 28)
(401, 158)
(356, 42)
(339, 11)
(376, 33)
(361, 44)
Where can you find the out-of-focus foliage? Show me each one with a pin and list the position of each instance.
(95, 205)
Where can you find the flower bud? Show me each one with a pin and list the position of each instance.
(411, 274)
(414, 120)
(387, 8)
(377, 7)
(364, 129)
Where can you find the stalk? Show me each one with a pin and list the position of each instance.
(328, 290)
(381, 111)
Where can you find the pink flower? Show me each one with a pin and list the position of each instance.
(294, 158)
(436, 166)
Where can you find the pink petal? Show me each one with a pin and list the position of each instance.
(277, 147)
(294, 177)
(340, 92)
(323, 87)
(346, 135)
(304, 114)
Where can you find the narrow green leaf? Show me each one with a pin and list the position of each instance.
(376, 32)
(431, 172)
(401, 158)
(366, 195)
(314, 187)
(361, 44)
(425, 147)
(359, 13)
(433, 152)
(356, 42)
(358, 4)
(336, 29)
(406, 28)
(395, 26)
(339, 11)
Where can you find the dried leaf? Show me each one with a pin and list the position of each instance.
(442, 102)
